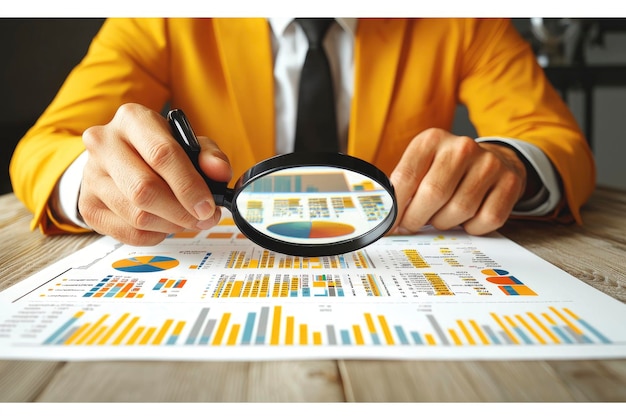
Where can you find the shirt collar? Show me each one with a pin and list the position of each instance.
(279, 24)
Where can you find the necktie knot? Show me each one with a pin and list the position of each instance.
(315, 29)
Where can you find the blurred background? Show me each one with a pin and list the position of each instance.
(584, 58)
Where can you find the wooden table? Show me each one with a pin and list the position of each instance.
(595, 253)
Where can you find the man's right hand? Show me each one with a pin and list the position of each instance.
(139, 185)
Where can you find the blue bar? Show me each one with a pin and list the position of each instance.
(158, 286)
(521, 334)
(59, 331)
(562, 335)
(172, 340)
(345, 337)
(417, 338)
(595, 332)
(247, 330)
(401, 335)
(375, 338)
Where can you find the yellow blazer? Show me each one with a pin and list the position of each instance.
(410, 74)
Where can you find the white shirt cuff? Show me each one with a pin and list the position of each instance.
(67, 191)
(546, 172)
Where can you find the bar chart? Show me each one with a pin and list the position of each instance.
(289, 325)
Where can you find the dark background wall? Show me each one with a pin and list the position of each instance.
(37, 55)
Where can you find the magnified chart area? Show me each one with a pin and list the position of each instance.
(314, 204)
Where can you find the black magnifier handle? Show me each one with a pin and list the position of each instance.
(185, 136)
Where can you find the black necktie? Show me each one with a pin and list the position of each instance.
(316, 126)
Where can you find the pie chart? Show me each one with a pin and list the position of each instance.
(317, 229)
(145, 264)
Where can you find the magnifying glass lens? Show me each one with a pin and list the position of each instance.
(311, 205)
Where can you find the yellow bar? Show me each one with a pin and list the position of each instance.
(289, 323)
(358, 335)
(179, 328)
(481, 334)
(455, 337)
(276, 325)
(113, 328)
(430, 339)
(169, 283)
(373, 286)
(247, 288)
(146, 337)
(317, 338)
(548, 319)
(265, 284)
(232, 337)
(126, 330)
(466, 332)
(96, 335)
(386, 330)
(93, 328)
(530, 329)
(567, 321)
(161, 334)
(135, 335)
(304, 335)
(236, 290)
(254, 263)
(543, 327)
(506, 330)
(218, 288)
(221, 330)
(76, 334)
(370, 323)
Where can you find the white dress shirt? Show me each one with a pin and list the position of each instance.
(289, 46)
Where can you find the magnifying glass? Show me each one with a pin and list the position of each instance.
(302, 204)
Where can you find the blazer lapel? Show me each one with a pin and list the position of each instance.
(245, 48)
(378, 46)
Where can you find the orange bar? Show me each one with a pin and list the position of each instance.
(124, 290)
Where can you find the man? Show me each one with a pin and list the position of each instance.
(397, 85)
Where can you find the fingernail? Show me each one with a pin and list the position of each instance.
(204, 210)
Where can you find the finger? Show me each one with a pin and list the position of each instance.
(132, 179)
(470, 193)
(106, 222)
(213, 162)
(408, 174)
(166, 157)
(497, 206)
